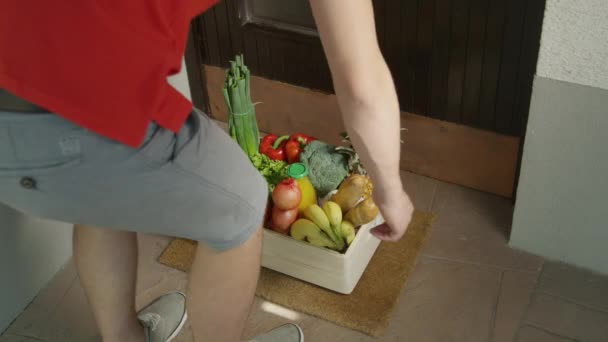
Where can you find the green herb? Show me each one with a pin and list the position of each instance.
(242, 123)
(274, 171)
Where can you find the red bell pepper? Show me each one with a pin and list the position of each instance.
(272, 146)
(295, 145)
(302, 138)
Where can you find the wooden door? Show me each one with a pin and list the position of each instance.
(463, 68)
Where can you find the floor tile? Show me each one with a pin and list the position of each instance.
(266, 316)
(478, 243)
(473, 227)
(73, 319)
(463, 206)
(445, 301)
(567, 319)
(153, 278)
(515, 291)
(420, 189)
(579, 285)
(45, 303)
(531, 334)
(185, 335)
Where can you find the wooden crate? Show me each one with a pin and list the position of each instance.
(321, 266)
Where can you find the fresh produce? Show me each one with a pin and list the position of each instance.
(304, 229)
(315, 214)
(352, 190)
(295, 145)
(273, 146)
(293, 151)
(354, 162)
(297, 168)
(334, 215)
(363, 213)
(242, 123)
(299, 172)
(274, 171)
(283, 219)
(287, 195)
(348, 231)
(302, 138)
(326, 167)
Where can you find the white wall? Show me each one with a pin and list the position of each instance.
(180, 81)
(562, 197)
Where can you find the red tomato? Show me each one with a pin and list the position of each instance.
(287, 195)
(282, 219)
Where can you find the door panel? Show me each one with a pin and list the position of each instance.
(469, 62)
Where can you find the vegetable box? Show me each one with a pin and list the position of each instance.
(300, 170)
(321, 266)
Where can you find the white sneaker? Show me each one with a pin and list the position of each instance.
(285, 333)
(164, 318)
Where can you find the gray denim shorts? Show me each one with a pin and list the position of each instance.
(197, 184)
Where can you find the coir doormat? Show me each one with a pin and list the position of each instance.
(368, 309)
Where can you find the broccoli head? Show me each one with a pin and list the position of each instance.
(326, 167)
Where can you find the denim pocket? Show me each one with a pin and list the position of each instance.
(158, 147)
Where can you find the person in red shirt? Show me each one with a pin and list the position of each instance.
(91, 133)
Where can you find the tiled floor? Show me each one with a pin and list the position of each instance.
(468, 286)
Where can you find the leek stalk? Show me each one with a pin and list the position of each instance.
(242, 122)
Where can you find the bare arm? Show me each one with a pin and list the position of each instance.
(368, 102)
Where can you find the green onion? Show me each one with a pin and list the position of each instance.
(242, 122)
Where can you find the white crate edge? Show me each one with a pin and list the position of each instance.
(321, 266)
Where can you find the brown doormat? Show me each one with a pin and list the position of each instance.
(367, 309)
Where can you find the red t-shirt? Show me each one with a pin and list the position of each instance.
(101, 64)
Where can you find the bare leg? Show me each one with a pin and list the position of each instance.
(107, 266)
(221, 289)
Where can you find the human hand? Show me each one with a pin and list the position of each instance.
(397, 209)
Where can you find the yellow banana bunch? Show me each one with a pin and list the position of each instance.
(334, 214)
(315, 214)
(304, 229)
(324, 227)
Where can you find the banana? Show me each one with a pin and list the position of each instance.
(315, 214)
(305, 229)
(334, 215)
(348, 231)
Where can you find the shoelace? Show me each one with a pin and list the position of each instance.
(150, 320)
